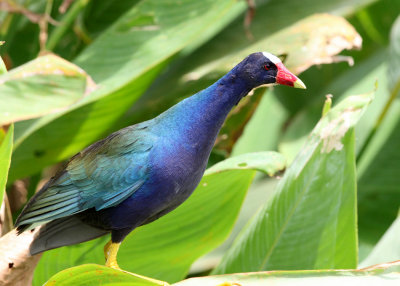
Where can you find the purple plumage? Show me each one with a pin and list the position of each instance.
(142, 172)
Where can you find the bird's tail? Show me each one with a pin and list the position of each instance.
(62, 232)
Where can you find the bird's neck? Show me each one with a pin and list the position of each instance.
(198, 119)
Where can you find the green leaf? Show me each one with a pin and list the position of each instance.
(99, 15)
(378, 180)
(267, 162)
(92, 274)
(387, 274)
(3, 68)
(361, 78)
(123, 61)
(176, 240)
(6, 143)
(379, 164)
(42, 86)
(311, 221)
(237, 120)
(388, 247)
(269, 112)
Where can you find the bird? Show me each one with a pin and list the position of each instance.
(142, 172)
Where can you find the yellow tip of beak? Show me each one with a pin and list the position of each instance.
(299, 84)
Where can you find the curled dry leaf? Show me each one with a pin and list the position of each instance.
(330, 36)
(317, 39)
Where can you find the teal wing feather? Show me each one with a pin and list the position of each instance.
(101, 176)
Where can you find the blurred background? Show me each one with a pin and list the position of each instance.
(138, 58)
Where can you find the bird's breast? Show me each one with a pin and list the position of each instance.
(176, 170)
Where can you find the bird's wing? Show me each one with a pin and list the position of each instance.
(101, 176)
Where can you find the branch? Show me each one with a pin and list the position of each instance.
(33, 17)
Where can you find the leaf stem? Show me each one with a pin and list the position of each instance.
(43, 26)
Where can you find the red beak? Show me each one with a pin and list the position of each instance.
(285, 77)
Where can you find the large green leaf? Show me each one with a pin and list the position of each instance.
(176, 240)
(387, 274)
(6, 143)
(123, 61)
(91, 274)
(45, 85)
(311, 221)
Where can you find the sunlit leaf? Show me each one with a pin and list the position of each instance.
(92, 274)
(42, 86)
(6, 143)
(3, 68)
(311, 221)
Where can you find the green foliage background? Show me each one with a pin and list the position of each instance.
(327, 193)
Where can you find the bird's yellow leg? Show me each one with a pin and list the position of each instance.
(110, 252)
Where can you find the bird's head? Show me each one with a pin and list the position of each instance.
(265, 68)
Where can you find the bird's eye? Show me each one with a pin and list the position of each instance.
(266, 67)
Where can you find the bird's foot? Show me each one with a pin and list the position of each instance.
(110, 253)
(113, 264)
(229, 284)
